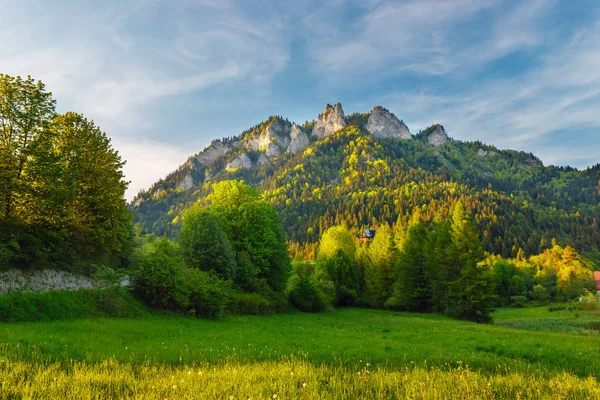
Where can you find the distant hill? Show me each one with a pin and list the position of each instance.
(366, 169)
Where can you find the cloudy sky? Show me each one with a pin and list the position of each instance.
(163, 78)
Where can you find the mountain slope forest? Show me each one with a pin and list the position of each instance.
(364, 170)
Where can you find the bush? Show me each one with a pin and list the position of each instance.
(159, 280)
(249, 304)
(208, 295)
(304, 289)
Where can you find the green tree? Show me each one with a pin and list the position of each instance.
(343, 274)
(26, 111)
(335, 238)
(254, 229)
(205, 245)
(381, 274)
(471, 296)
(412, 289)
(440, 270)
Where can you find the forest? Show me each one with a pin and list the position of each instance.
(444, 244)
(355, 179)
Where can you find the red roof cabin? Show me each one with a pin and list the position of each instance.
(597, 279)
(368, 235)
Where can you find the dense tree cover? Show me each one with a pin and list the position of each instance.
(354, 179)
(231, 256)
(61, 185)
(255, 232)
(439, 269)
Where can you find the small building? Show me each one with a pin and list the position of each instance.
(597, 279)
(368, 235)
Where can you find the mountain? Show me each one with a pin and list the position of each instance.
(365, 169)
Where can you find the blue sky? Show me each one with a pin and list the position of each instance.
(163, 78)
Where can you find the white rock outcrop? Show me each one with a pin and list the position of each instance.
(438, 136)
(299, 139)
(41, 281)
(213, 152)
(331, 120)
(384, 124)
(240, 162)
(186, 183)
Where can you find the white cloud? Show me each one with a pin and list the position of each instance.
(529, 112)
(115, 62)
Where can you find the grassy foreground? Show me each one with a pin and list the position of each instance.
(350, 353)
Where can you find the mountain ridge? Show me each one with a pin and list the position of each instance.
(370, 172)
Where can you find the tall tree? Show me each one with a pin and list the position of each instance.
(205, 245)
(26, 110)
(254, 230)
(471, 295)
(412, 288)
(380, 277)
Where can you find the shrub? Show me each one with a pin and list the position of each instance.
(208, 295)
(159, 280)
(249, 304)
(304, 289)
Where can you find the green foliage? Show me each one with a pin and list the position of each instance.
(471, 295)
(304, 288)
(208, 296)
(342, 273)
(255, 232)
(380, 273)
(61, 185)
(57, 305)
(334, 239)
(250, 304)
(205, 245)
(411, 291)
(159, 279)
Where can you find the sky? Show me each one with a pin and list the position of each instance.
(163, 78)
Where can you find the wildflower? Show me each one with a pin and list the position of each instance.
(304, 385)
(174, 387)
(274, 396)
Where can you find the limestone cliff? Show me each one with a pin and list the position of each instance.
(384, 124)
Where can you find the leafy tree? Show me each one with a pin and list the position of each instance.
(26, 110)
(253, 228)
(205, 245)
(343, 274)
(334, 239)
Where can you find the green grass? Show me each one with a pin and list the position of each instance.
(398, 349)
(540, 319)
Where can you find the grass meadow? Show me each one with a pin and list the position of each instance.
(349, 353)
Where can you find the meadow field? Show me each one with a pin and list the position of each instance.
(348, 353)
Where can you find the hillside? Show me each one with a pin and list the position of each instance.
(366, 169)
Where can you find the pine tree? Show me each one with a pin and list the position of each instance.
(380, 277)
(471, 296)
(411, 290)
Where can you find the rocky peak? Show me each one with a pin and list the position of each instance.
(273, 140)
(438, 136)
(331, 120)
(299, 139)
(384, 124)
